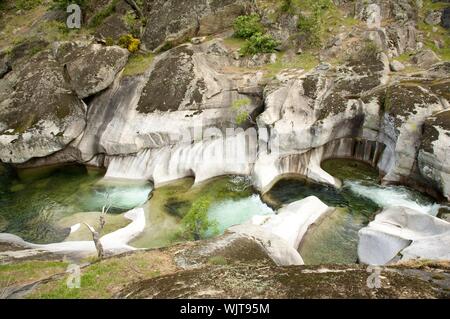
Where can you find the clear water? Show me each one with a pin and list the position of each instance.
(233, 212)
(335, 240)
(31, 205)
(234, 201)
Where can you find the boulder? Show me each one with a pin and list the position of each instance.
(91, 68)
(396, 66)
(39, 113)
(425, 58)
(433, 18)
(400, 233)
(170, 23)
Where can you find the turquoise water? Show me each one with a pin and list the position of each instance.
(335, 239)
(233, 212)
(30, 206)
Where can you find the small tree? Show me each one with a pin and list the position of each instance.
(96, 234)
(196, 223)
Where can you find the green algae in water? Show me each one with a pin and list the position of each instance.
(233, 202)
(345, 169)
(335, 239)
(32, 205)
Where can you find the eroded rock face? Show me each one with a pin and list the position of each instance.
(433, 159)
(402, 233)
(145, 118)
(39, 113)
(175, 21)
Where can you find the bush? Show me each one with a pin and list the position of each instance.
(27, 4)
(259, 43)
(127, 41)
(196, 223)
(246, 26)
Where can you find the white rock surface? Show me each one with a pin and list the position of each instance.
(113, 243)
(400, 231)
(281, 234)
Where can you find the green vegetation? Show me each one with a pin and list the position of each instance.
(105, 12)
(368, 52)
(103, 279)
(247, 25)
(242, 116)
(29, 271)
(138, 64)
(127, 41)
(196, 223)
(132, 22)
(27, 4)
(218, 261)
(259, 43)
(434, 35)
(305, 61)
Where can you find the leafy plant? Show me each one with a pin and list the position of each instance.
(241, 115)
(132, 22)
(127, 41)
(259, 43)
(196, 223)
(247, 25)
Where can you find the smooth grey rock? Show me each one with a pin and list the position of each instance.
(396, 66)
(405, 232)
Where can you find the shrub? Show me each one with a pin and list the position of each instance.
(129, 42)
(246, 26)
(105, 12)
(132, 22)
(196, 223)
(27, 4)
(242, 116)
(259, 43)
